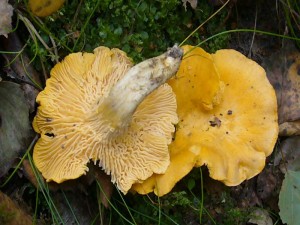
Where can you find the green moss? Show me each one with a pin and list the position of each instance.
(143, 29)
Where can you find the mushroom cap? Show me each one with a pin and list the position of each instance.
(234, 137)
(43, 8)
(73, 132)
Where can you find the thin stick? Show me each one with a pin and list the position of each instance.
(253, 36)
(32, 28)
(215, 13)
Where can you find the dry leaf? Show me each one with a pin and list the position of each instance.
(283, 70)
(288, 156)
(193, 3)
(15, 129)
(290, 128)
(6, 12)
(106, 186)
(11, 213)
(266, 184)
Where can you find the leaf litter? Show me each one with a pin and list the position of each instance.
(263, 187)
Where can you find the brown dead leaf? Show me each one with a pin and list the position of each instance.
(11, 213)
(283, 70)
(245, 194)
(106, 186)
(289, 128)
(28, 173)
(266, 184)
(6, 12)
(15, 129)
(290, 107)
(288, 158)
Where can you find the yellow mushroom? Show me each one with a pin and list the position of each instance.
(233, 136)
(43, 8)
(99, 107)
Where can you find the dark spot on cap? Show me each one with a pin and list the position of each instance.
(48, 120)
(216, 122)
(229, 112)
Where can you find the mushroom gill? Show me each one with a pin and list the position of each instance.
(79, 118)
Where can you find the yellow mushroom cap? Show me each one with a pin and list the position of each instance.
(43, 8)
(234, 137)
(73, 132)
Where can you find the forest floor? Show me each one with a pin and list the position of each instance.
(196, 199)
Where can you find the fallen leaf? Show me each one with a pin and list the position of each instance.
(266, 184)
(6, 12)
(260, 217)
(11, 213)
(288, 156)
(106, 186)
(29, 174)
(283, 70)
(290, 98)
(289, 198)
(289, 128)
(288, 159)
(15, 129)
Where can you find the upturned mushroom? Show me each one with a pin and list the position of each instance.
(227, 113)
(99, 107)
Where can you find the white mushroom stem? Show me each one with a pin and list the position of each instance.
(117, 109)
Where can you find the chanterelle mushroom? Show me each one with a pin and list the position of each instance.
(98, 107)
(234, 135)
(43, 8)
